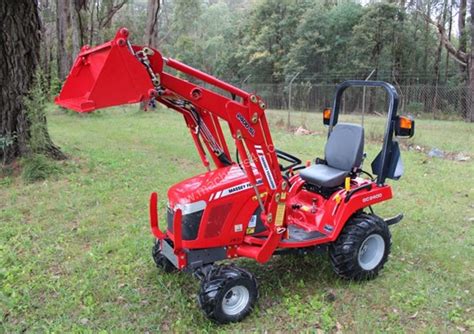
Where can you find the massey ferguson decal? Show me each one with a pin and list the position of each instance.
(246, 124)
(266, 168)
(233, 190)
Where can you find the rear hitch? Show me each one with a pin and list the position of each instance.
(394, 220)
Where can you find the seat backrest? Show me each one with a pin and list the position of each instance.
(345, 146)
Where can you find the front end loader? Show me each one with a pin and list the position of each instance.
(262, 203)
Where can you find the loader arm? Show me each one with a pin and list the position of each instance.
(118, 73)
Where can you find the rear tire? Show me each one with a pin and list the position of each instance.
(362, 248)
(160, 260)
(228, 294)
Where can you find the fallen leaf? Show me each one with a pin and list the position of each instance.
(338, 328)
(301, 131)
(413, 316)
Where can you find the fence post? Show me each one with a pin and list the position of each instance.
(245, 80)
(363, 96)
(290, 106)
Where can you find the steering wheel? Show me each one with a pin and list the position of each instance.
(294, 161)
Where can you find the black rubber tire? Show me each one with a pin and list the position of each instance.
(160, 260)
(345, 250)
(217, 283)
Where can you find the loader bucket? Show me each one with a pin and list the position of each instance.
(107, 75)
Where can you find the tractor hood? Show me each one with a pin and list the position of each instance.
(193, 194)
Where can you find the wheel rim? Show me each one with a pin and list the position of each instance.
(235, 300)
(371, 252)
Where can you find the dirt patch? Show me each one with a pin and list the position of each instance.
(302, 131)
(436, 153)
(12, 169)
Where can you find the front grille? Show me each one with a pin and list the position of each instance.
(190, 223)
(169, 218)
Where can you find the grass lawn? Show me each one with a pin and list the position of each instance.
(75, 249)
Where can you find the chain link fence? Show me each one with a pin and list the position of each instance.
(431, 101)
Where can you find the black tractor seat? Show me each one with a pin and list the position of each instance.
(343, 153)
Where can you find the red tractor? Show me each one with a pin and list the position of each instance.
(262, 203)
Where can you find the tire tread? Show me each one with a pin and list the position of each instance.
(343, 252)
(218, 278)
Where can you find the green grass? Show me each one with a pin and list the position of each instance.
(75, 248)
(37, 167)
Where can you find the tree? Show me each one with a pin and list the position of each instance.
(471, 69)
(462, 57)
(62, 25)
(19, 50)
(186, 39)
(322, 48)
(151, 31)
(75, 7)
(216, 25)
(48, 33)
(463, 48)
(269, 35)
(462, 29)
(374, 31)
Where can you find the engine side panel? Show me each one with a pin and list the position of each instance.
(224, 201)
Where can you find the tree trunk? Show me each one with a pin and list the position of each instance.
(427, 54)
(427, 35)
(471, 69)
(462, 27)
(450, 27)
(46, 13)
(436, 68)
(76, 35)
(397, 44)
(91, 20)
(437, 63)
(62, 14)
(151, 33)
(19, 51)
(462, 47)
(109, 7)
(151, 30)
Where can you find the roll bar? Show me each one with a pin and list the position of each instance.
(386, 153)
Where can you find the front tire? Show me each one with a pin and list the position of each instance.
(228, 294)
(362, 248)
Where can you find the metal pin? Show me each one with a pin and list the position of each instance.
(254, 118)
(269, 218)
(148, 51)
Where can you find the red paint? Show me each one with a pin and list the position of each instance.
(154, 216)
(110, 75)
